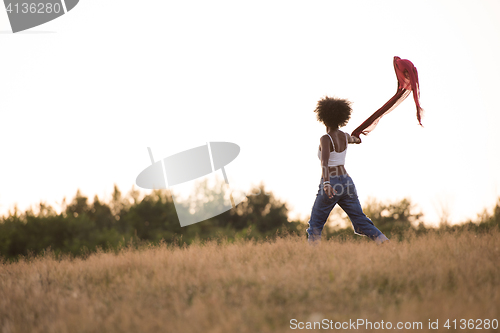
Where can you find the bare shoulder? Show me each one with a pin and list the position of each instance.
(324, 141)
(324, 138)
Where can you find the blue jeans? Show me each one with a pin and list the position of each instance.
(347, 198)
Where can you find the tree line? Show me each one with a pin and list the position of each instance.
(83, 227)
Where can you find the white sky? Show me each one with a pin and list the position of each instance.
(84, 95)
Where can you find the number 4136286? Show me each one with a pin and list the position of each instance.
(472, 324)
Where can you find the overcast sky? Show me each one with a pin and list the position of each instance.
(83, 96)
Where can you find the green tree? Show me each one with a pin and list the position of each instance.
(401, 214)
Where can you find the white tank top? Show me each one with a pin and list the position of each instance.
(336, 158)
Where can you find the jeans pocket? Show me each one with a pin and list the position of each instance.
(351, 190)
(324, 196)
(328, 200)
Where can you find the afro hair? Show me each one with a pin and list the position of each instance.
(333, 112)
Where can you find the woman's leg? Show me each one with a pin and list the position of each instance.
(361, 223)
(319, 214)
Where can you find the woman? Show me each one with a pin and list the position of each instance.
(338, 188)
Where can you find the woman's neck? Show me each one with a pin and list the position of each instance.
(331, 129)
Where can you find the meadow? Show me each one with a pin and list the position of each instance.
(259, 286)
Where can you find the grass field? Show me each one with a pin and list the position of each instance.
(259, 287)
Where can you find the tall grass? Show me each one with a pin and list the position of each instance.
(255, 286)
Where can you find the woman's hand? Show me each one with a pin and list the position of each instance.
(330, 192)
(353, 139)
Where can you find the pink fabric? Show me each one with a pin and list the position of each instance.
(407, 82)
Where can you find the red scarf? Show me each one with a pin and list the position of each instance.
(407, 81)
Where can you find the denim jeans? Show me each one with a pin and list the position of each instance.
(346, 196)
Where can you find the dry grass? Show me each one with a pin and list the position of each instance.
(250, 287)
